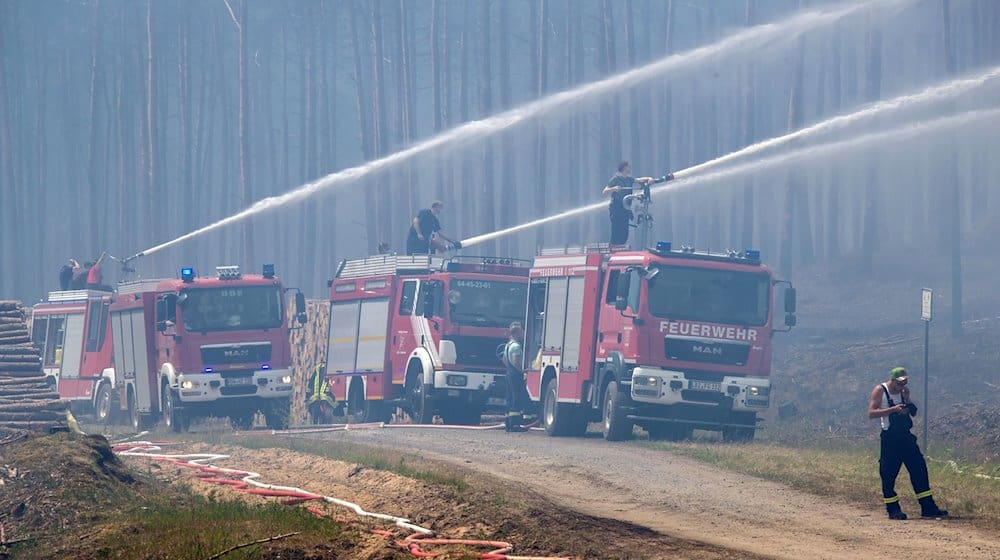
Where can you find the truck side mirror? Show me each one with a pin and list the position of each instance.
(790, 300)
(790, 320)
(300, 307)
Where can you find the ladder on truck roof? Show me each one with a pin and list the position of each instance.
(381, 265)
(75, 295)
(138, 286)
(576, 249)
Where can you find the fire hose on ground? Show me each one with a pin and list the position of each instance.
(248, 482)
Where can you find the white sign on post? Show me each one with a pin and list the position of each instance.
(926, 297)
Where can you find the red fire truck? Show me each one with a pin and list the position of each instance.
(422, 333)
(670, 340)
(71, 330)
(195, 347)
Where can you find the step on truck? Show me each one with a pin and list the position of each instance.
(73, 335)
(669, 340)
(195, 347)
(423, 334)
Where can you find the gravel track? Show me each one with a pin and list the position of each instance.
(684, 498)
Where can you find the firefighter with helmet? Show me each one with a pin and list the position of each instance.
(320, 401)
(890, 403)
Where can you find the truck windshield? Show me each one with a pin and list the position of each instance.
(486, 303)
(231, 308)
(710, 295)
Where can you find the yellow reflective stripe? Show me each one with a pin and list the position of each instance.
(924, 494)
(892, 500)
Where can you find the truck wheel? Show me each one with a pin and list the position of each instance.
(173, 416)
(420, 408)
(560, 419)
(105, 405)
(138, 420)
(669, 431)
(276, 414)
(616, 426)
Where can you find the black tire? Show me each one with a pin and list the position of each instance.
(276, 414)
(137, 420)
(669, 431)
(173, 416)
(560, 419)
(615, 425)
(105, 404)
(419, 404)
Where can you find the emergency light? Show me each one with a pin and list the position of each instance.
(663, 246)
(187, 274)
(751, 254)
(268, 271)
(265, 366)
(207, 370)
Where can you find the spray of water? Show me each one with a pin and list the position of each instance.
(745, 41)
(981, 118)
(932, 94)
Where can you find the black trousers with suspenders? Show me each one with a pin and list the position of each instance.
(899, 447)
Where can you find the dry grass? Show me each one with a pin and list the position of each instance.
(849, 470)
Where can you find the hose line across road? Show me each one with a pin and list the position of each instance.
(684, 498)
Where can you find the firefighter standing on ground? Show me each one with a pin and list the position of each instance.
(319, 400)
(513, 357)
(890, 403)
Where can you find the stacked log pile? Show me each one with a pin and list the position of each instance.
(26, 400)
(308, 349)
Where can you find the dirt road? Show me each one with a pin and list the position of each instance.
(681, 497)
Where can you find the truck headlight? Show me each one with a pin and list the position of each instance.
(187, 384)
(754, 391)
(286, 379)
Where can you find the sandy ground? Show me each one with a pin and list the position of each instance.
(683, 498)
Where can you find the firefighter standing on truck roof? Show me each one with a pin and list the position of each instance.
(425, 229)
(899, 445)
(319, 400)
(517, 393)
(619, 186)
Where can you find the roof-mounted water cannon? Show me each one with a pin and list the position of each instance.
(187, 274)
(230, 272)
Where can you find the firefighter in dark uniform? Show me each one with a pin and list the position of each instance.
(619, 186)
(890, 403)
(517, 393)
(319, 400)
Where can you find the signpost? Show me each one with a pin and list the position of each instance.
(926, 302)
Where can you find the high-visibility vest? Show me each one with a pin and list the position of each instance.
(319, 386)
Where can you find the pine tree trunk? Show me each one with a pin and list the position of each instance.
(486, 199)
(952, 187)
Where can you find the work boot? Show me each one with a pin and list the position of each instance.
(895, 512)
(929, 509)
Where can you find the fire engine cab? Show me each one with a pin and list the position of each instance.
(196, 347)
(670, 340)
(71, 330)
(422, 333)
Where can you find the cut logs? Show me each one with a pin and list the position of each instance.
(308, 349)
(27, 401)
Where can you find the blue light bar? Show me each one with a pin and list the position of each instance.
(663, 246)
(187, 274)
(752, 254)
(265, 366)
(268, 271)
(207, 370)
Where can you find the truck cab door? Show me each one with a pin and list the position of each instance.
(534, 324)
(403, 332)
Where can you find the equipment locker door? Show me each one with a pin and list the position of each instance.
(129, 341)
(343, 347)
(72, 347)
(371, 334)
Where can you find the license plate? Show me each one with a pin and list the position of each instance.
(239, 381)
(704, 385)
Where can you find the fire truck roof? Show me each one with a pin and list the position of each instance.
(168, 284)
